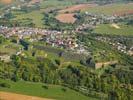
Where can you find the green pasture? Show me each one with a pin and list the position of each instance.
(35, 16)
(55, 3)
(36, 89)
(9, 48)
(125, 30)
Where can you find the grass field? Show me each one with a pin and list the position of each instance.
(111, 9)
(9, 48)
(36, 89)
(36, 17)
(109, 29)
(55, 3)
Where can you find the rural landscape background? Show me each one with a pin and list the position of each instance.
(66, 49)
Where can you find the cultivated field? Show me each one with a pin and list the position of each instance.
(69, 16)
(66, 18)
(77, 8)
(6, 1)
(112, 9)
(14, 96)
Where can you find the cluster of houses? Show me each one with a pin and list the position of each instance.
(130, 52)
(119, 46)
(92, 20)
(51, 37)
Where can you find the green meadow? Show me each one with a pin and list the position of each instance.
(36, 89)
(35, 16)
(9, 48)
(125, 30)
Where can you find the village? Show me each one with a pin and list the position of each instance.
(66, 49)
(54, 38)
(66, 39)
(94, 20)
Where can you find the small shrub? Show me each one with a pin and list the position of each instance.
(45, 86)
(57, 61)
(5, 85)
(64, 89)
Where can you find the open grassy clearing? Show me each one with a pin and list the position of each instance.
(9, 48)
(114, 29)
(60, 3)
(54, 3)
(36, 17)
(36, 89)
(111, 9)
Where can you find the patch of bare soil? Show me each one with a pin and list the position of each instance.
(124, 12)
(13, 96)
(77, 8)
(66, 18)
(6, 1)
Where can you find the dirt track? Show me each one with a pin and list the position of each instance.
(13, 96)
